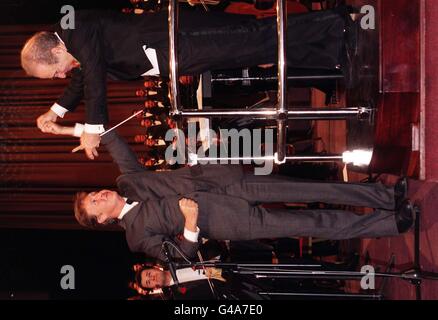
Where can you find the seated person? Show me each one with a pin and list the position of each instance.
(201, 284)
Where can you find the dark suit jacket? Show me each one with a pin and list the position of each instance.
(158, 216)
(110, 43)
(159, 110)
(158, 131)
(234, 288)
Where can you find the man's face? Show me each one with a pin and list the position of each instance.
(102, 205)
(149, 84)
(146, 123)
(149, 142)
(139, 93)
(140, 138)
(153, 279)
(65, 63)
(149, 104)
(170, 123)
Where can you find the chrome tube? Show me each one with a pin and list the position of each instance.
(282, 80)
(316, 158)
(173, 56)
(282, 63)
(173, 73)
(261, 78)
(296, 113)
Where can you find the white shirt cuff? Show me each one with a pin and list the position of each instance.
(79, 128)
(151, 54)
(94, 128)
(190, 235)
(59, 110)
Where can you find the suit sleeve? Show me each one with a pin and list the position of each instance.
(121, 153)
(151, 246)
(88, 49)
(74, 92)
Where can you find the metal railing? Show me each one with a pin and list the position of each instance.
(280, 112)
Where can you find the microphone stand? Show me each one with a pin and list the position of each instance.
(173, 266)
(415, 275)
(170, 263)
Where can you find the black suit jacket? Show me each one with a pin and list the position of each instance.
(158, 216)
(110, 43)
(158, 131)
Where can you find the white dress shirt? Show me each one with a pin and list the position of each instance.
(188, 274)
(189, 235)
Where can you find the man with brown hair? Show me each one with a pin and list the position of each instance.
(222, 202)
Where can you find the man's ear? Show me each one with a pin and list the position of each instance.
(104, 193)
(56, 51)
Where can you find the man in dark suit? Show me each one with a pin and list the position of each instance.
(126, 47)
(199, 284)
(222, 202)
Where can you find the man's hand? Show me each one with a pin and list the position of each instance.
(189, 209)
(53, 128)
(89, 142)
(44, 119)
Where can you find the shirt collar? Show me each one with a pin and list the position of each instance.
(126, 208)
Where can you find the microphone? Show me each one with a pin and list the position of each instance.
(169, 262)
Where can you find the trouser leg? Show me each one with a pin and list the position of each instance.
(225, 217)
(274, 188)
(314, 40)
(325, 224)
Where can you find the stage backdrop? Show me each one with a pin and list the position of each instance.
(38, 173)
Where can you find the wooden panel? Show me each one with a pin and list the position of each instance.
(396, 113)
(400, 42)
(431, 91)
(331, 132)
(393, 134)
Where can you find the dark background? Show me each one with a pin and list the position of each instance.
(48, 11)
(31, 261)
(31, 255)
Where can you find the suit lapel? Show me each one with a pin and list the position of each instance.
(129, 217)
(127, 188)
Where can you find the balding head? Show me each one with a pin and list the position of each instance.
(38, 50)
(45, 56)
